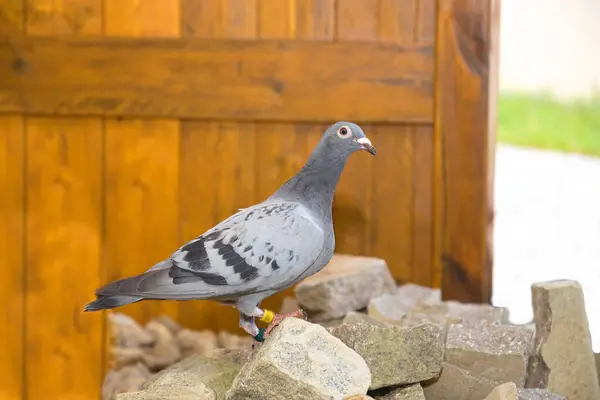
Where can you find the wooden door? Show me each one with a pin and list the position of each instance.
(130, 126)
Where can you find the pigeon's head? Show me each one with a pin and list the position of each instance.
(348, 138)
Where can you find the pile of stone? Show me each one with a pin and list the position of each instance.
(139, 353)
(367, 338)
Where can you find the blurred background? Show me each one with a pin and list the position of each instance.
(547, 178)
(130, 126)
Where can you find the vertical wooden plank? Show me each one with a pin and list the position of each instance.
(63, 345)
(12, 238)
(357, 20)
(223, 152)
(397, 20)
(426, 21)
(315, 19)
(63, 230)
(141, 202)
(422, 189)
(392, 202)
(142, 18)
(142, 167)
(276, 19)
(220, 18)
(64, 17)
(11, 17)
(462, 135)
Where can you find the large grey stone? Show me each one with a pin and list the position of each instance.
(456, 383)
(563, 360)
(392, 308)
(126, 332)
(395, 355)
(301, 360)
(194, 378)
(346, 284)
(497, 352)
(506, 391)
(409, 392)
(538, 394)
(464, 312)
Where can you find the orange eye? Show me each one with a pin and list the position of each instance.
(344, 132)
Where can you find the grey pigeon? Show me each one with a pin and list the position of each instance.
(260, 250)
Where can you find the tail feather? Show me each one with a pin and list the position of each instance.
(108, 302)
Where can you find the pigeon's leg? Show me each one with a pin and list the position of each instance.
(247, 323)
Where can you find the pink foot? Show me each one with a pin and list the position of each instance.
(280, 317)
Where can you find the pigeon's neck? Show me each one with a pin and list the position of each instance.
(314, 185)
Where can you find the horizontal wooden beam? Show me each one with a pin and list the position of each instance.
(217, 79)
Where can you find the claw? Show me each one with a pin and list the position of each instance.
(280, 317)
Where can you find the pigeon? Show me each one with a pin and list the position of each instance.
(258, 251)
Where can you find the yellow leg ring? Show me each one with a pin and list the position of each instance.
(268, 316)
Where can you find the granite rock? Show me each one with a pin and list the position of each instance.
(395, 355)
(455, 383)
(301, 360)
(126, 332)
(391, 308)
(506, 391)
(409, 392)
(563, 360)
(538, 394)
(346, 284)
(497, 352)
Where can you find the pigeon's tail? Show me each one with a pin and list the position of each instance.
(108, 302)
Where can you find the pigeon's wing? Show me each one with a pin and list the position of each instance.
(265, 247)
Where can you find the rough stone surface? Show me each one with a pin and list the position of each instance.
(395, 355)
(465, 312)
(497, 352)
(126, 332)
(359, 397)
(354, 317)
(597, 357)
(538, 394)
(346, 284)
(410, 392)
(563, 360)
(196, 377)
(127, 379)
(456, 383)
(301, 360)
(196, 342)
(391, 308)
(506, 391)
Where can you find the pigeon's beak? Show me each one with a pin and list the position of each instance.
(365, 144)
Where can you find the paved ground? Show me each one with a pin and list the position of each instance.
(547, 227)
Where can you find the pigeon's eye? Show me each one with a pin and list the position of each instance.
(344, 132)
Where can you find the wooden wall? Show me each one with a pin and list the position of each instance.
(130, 126)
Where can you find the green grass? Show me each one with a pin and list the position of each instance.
(540, 121)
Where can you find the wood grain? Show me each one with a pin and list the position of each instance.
(63, 17)
(142, 167)
(422, 212)
(462, 143)
(141, 18)
(392, 206)
(12, 20)
(63, 346)
(141, 202)
(222, 79)
(12, 245)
